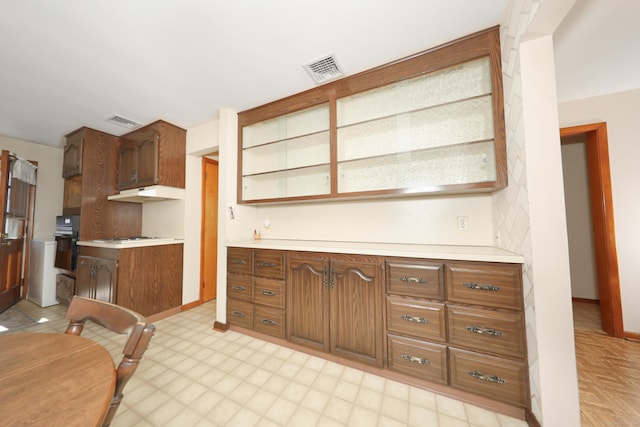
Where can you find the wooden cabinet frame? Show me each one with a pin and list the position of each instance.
(482, 44)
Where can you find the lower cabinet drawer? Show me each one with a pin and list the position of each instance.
(419, 359)
(417, 318)
(240, 313)
(489, 376)
(240, 287)
(268, 292)
(269, 320)
(489, 331)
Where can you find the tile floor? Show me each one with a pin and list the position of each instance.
(194, 376)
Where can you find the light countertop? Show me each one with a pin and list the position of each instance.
(123, 244)
(450, 252)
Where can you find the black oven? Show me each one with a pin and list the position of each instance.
(67, 234)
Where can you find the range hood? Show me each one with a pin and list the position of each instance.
(153, 193)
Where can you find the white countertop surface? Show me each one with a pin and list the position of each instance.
(122, 244)
(451, 252)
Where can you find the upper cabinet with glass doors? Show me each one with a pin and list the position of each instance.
(429, 124)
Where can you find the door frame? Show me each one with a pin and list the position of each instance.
(603, 224)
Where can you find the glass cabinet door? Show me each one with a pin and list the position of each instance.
(428, 131)
(287, 156)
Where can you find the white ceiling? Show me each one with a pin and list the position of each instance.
(73, 63)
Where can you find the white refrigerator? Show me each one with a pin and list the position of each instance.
(42, 273)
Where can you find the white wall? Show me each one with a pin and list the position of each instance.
(582, 260)
(50, 187)
(620, 112)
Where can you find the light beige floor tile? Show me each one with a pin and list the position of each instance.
(395, 408)
(338, 410)
(481, 417)
(186, 417)
(304, 417)
(363, 417)
(206, 402)
(243, 418)
(420, 416)
(315, 400)
(223, 411)
(449, 421)
(451, 407)
(261, 401)
(281, 411)
(369, 399)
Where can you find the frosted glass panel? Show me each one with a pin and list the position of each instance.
(292, 153)
(464, 121)
(461, 164)
(463, 81)
(293, 183)
(304, 122)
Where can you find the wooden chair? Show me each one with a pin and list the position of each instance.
(117, 319)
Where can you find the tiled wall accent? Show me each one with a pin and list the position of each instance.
(511, 209)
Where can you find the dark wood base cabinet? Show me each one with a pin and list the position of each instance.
(146, 279)
(455, 327)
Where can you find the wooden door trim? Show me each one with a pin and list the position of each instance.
(603, 221)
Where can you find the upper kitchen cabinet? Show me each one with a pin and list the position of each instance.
(432, 123)
(72, 160)
(86, 194)
(152, 155)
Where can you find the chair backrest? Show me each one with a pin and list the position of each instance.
(122, 321)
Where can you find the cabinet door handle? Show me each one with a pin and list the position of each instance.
(268, 293)
(239, 262)
(482, 287)
(325, 277)
(415, 319)
(409, 279)
(267, 264)
(268, 322)
(238, 314)
(414, 359)
(485, 377)
(484, 331)
(238, 288)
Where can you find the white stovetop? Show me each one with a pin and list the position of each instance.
(121, 244)
(452, 252)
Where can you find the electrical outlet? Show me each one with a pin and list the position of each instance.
(463, 223)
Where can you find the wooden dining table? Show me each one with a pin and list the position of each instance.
(54, 380)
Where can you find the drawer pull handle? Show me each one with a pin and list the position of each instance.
(415, 319)
(488, 378)
(413, 279)
(267, 264)
(268, 322)
(482, 287)
(484, 331)
(268, 293)
(239, 261)
(238, 314)
(414, 359)
(238, 288)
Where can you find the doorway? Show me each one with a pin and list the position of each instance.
(209, 236)
(594, 137)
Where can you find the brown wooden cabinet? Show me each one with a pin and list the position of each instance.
(470, 337)
(256, 290)
(334, 304)
(154, 154)
(146, 279)
(86, 194)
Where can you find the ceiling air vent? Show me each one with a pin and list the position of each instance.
(324, 69)
(122, 121)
